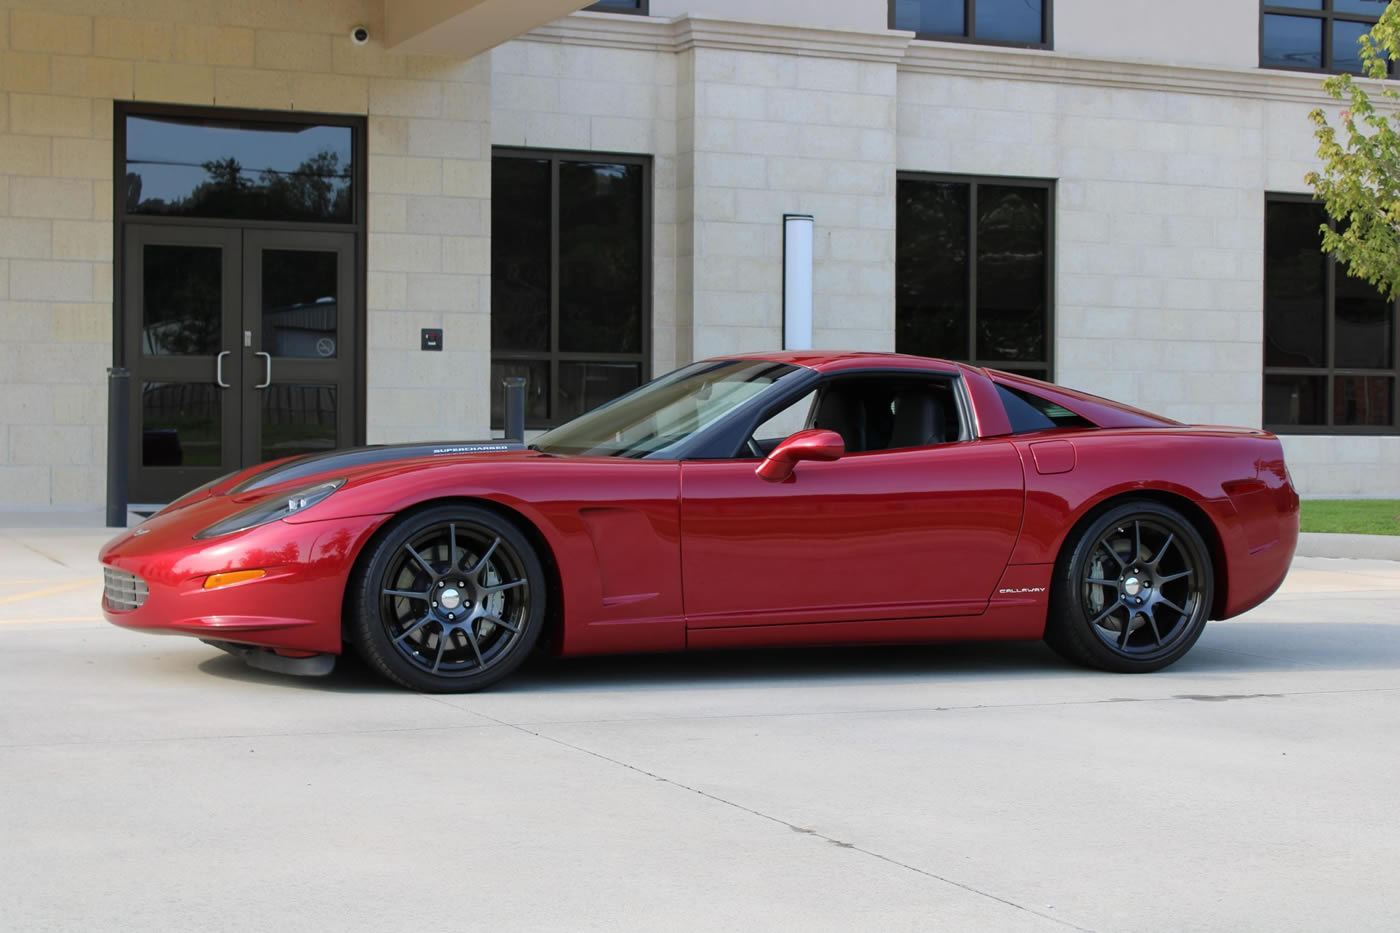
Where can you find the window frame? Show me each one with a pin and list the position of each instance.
(554, 356)
(1328, 16)
(1330, 371)
(1047, 34)
(1029, 367)
(641, 9)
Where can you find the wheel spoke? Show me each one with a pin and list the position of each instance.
(480, 565)
(1174, 576)
(1112, 553)
(408, 594)
(1137, 540)
(471, 640)
(496, 620)
(412, 628)
(1171, 536)
(419, 557)
(1127, 630)
(1097, 582)
(442, 646)
(1103, 615)
(1163, 601)
(501, 587)
(452, 537)
(1152, 621)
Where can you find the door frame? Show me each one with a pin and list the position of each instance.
(358, 126)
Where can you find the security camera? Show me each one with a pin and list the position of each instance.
(359, 35)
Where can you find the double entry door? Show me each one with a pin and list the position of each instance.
(240, 343)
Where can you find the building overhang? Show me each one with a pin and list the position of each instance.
(465, 28)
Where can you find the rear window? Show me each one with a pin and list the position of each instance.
(1028, 412)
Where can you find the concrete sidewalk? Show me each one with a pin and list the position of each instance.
(978, 787)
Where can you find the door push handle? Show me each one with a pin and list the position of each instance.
(267, 377)
(219, 369)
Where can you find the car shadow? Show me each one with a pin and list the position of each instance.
(351, 675)
(1253, 647)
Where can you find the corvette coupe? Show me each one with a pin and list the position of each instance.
(763, 499)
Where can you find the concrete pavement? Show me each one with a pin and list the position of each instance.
(152, 783)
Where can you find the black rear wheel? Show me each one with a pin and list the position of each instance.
(1132, 590)
(448, 600)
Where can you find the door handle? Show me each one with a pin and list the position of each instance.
(267, 377)
(219, 369)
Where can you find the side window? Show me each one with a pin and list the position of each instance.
(784, 423)
(1028, 412)
(889, 412)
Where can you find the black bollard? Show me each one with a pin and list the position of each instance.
(118, 441)
(515, 408)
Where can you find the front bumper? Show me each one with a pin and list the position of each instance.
(295, 606)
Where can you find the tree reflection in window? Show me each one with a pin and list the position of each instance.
(250, 170)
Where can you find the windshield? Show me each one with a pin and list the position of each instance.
(650, 420)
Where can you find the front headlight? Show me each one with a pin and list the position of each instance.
(273, 509)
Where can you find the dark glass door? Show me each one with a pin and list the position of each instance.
(240, 345)
(298, 373)
(182, 333)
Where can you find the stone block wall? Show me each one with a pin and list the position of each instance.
(62, 65)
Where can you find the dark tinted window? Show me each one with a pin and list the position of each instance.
(931, 268)
(600, 257)
(520, 254)
(1330, 341)
(972, 271)
(1015, 22)
(239, 169)
(619, 6)
(1315, 35)
(1029, 412)
(1295, 284)
(1011, 290)
(569, 298)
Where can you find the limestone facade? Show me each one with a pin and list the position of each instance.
(1160, 167)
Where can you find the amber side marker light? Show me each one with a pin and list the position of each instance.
(235, 576)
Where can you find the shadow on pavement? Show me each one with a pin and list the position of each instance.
(1251, 647)
(350, 676)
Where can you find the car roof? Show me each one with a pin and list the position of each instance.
(836, 360)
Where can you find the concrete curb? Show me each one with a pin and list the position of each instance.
(1364, 547)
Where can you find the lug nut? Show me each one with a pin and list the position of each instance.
(450, 617)
(434, 604)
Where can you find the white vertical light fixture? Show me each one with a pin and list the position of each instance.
(797, 281)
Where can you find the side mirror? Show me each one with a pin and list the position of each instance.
(814, 444)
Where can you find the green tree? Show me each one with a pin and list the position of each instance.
(1359, 182)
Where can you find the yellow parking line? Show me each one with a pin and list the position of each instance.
(52, 619)
(35, 594)
(34, 582)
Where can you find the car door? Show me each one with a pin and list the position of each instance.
(878, 534)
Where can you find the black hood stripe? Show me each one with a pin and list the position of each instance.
(345, 460)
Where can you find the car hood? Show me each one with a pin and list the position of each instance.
(358, 459)
(347, 461)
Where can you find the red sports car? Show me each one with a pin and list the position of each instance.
(763, 499)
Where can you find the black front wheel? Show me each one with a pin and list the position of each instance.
(1132, 590)
(447, 600)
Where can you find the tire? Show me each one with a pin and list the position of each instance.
(1131, 591)
(447, 600)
